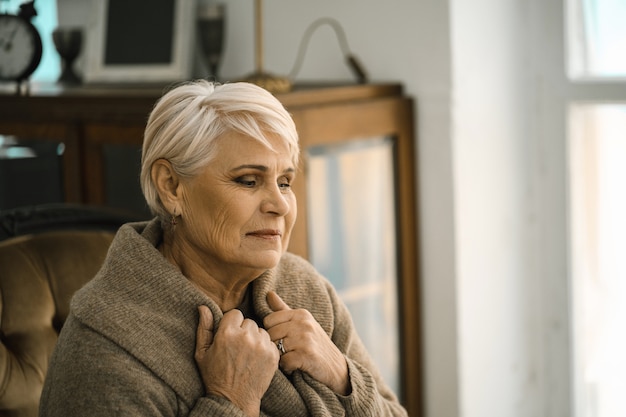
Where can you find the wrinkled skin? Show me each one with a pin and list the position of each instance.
(308, 347)
(238, 361)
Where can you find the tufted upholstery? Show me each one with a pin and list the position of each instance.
(47, 252)
(38, 276)
(45, 217)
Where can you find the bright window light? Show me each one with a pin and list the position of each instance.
(598, 258)
(597, 39)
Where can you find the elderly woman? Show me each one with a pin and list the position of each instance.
(201, 311)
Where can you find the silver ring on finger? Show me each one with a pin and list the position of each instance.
(281, 347)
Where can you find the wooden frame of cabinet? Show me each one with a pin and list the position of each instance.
(341, 121)
(86, 119)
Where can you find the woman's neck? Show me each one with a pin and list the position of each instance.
(226, 288)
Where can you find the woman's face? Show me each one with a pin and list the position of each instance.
(240, 210)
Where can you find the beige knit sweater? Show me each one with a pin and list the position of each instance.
(127, 347)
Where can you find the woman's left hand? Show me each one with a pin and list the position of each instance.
(307, 346)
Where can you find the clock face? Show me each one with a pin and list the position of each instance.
(20, 48)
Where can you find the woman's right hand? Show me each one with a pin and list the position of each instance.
(237, 361)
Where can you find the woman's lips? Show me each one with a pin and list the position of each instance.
(265, 234)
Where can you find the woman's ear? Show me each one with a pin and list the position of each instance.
(167, 184)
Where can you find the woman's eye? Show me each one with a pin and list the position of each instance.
(246, 181)
(284, 184)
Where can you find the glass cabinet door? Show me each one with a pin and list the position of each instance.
(352, 239)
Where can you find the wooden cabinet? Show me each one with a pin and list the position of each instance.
(102, 130)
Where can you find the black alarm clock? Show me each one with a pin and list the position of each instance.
(20, 44)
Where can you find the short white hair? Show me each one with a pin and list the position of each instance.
(187, 120)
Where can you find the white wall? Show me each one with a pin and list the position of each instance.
(510, 176)
(492, 146)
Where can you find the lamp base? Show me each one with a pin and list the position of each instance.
(272, 83)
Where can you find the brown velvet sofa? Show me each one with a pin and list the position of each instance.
(46, 254)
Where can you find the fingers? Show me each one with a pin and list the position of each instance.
(281, 311)
(204, 332)
(233, 317)
(275, 302)
(236, 360)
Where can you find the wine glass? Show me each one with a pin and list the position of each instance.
(68, 43)
(211, 22)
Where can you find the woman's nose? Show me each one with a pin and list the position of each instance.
(275, 201)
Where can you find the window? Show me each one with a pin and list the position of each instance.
(353, 239)
(597, 37)
(598, 260)
(597, 203)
